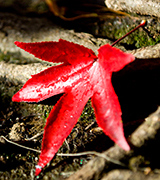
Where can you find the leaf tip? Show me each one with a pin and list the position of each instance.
(124, 145)
(16, 97)
(17, 43)
(38, 170)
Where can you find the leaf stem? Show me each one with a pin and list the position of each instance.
(141, 25)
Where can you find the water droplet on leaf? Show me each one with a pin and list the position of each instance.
(64, 78)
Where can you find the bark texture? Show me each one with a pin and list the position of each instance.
(129, 175)
(145, 7)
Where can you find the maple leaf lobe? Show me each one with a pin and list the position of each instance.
(114, 59)
(58, 52)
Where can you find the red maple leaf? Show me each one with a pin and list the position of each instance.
(82, 75)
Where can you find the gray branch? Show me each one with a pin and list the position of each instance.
(145, 7)
(143, 134)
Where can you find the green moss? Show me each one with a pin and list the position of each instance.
(87, 115)
(137, 39)
(118, 27)
(15, 58)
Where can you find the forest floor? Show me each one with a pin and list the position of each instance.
(137, 87)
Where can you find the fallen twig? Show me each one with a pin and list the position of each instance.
(19, 145)
(68, 154)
